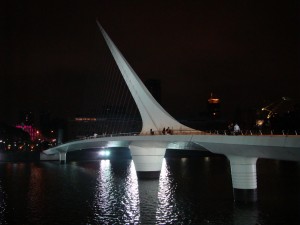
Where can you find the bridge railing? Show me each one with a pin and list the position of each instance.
(194, 132)
(223, 132)
(255, 132)
(173, 132)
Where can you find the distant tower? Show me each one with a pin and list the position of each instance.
(26, 118)
(213, 106)
(154, 87)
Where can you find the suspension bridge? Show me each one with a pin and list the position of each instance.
(148, 147)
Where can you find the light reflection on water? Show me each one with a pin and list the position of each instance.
(35, 194)
(3, 205)
(189, 191)
(116, 199)
(166, 201)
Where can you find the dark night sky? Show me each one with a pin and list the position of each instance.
(246, 52)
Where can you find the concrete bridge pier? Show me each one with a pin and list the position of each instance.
(147, 161)
(244, 181)
(62, 157)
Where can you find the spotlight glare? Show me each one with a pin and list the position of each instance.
(104, 153)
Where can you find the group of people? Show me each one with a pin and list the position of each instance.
(164, 131)
(234, 129)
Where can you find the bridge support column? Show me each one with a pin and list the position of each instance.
(244, 182)
(147, 161)
(62, 157)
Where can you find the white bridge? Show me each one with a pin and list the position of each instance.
(148, 150)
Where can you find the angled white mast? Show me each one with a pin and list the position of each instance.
(153, 115)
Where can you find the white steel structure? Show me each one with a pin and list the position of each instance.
(148, 150)
(153, 115)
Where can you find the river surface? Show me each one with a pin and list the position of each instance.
(190, 191)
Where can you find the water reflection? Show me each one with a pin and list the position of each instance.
(148, 200)
(36, 194)
(116, 195)
(167, 204)
(189, 191)
(2, 205)
(246, 215)
(120, 197)
(132, 194)
(191, 200)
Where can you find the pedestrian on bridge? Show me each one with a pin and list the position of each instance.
(151, 132)
(230, 128)
(236, 129)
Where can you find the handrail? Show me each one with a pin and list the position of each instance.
(196, 132)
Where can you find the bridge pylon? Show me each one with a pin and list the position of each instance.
(154, 116)
(244, 179)
(147, 160)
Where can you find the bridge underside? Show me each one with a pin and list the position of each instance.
(271, 147)
(242, 152)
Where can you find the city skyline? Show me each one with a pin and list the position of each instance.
(245, 53)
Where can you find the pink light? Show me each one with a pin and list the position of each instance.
(33, 132)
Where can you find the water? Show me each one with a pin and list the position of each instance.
(189, 191)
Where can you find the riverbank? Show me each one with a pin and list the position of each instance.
(19, 156)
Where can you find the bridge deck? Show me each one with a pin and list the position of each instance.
(284, 147)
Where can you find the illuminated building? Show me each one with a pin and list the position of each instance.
(213, 106)
(33, 132)
(26, 117)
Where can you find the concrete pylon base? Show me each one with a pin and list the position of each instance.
(62, 157)
(245, 195)
(148, 174)
(244, 181)
(147, 161)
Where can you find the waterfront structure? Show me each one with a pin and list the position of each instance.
(149, 147)
(26, 118)
(33, 132)
(213, 106)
